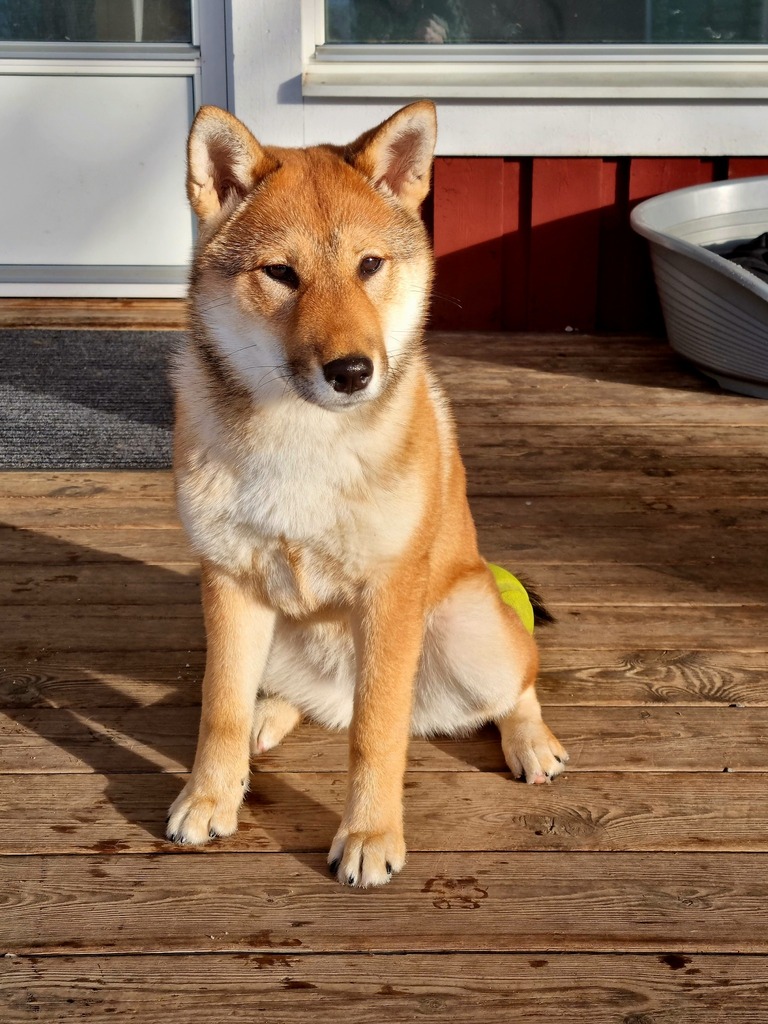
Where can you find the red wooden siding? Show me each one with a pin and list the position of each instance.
(469, 241)
(567, 200)
(747, 167)
(545, 244)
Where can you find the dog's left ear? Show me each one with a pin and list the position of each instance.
(398, 153)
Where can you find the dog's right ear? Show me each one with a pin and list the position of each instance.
(224, 161)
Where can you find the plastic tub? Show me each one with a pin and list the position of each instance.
(716, 313)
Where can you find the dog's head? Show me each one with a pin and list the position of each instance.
(313, 268)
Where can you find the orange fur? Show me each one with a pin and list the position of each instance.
(331, 516)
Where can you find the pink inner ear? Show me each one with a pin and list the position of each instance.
(404, 160)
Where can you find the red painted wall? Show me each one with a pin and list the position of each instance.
(545, 244)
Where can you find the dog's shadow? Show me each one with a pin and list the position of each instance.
(104, 656)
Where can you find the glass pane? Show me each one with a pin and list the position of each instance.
(546, 21)
(103, 21)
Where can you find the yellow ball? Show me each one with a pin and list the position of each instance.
(514, 594)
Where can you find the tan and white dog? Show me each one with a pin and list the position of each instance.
(319, 479)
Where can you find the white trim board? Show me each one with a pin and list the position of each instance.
(39, 281)
(270, 55)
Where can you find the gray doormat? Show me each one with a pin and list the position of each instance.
(85, 399)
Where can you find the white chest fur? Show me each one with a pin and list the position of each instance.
(311, 501)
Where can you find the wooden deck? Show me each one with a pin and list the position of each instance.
(632, 891)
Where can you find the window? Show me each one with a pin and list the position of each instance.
(546, 21)
(97, 21)
(537, 49)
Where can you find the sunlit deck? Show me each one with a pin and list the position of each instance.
(634, 890)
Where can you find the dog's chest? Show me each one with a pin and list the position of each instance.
(309, 524)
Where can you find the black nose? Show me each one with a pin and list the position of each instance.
(352, 373)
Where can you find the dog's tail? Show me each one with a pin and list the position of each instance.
(542, 616)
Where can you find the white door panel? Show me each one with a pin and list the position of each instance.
(92, 171)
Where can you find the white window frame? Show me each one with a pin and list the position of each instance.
(279, 83)
(515, 72)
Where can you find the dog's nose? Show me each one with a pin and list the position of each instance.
(353, 373)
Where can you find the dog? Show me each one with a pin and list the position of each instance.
(319, 479)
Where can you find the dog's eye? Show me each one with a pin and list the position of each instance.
(283, 273)
(370, 265)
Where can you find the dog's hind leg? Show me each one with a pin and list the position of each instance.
(531, 749)
(273, 719)
(480, 665)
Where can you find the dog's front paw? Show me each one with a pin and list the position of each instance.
(366, 858)
(197, 814)
(533, 752)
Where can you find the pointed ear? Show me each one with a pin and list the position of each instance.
(223, 160)
(399, 152)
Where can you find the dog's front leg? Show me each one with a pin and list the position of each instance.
(389, 626)
(239, 632)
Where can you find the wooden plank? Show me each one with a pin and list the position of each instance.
(623, 738)
(596, 583)
(672, 628)
(706, 439)
(690, 903)
(530, 473)
(74, 679)
(663, 987)
(521, 547)
(94, 314)
(500, 482)
(468, 228)
(126, 583)
(663, 480)
(678, 678)
(91, 489)
(516, 546)
(529, 409)
(470, 375)
(629, 511)
(459, 810)
(78, 546)
(669, 388)
(103, 628)
(607, 512)
(572, 678)
(567, 199)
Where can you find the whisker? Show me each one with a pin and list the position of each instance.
(448, 298)
(213, 305)
(270, 378)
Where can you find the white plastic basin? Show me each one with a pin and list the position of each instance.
(716, 313)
